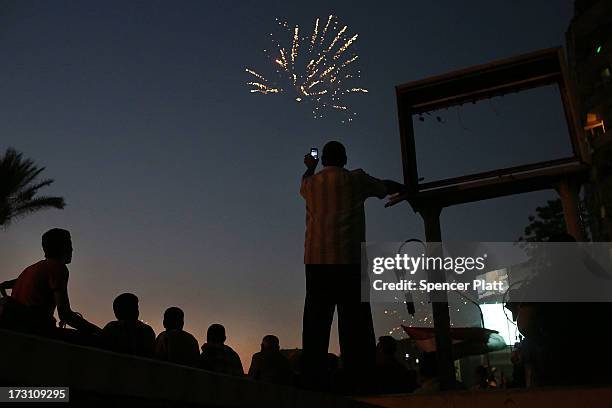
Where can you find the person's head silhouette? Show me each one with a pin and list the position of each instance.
(215, 334)
(270, 343)
(334, 154)
(125, 307)
(57, 245)
(174, 318)
(387, 345)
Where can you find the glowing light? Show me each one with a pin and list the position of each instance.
(336, 38)
(316, 66)
(598, 49)
(314, 35)
(327, 71)
(296, 44)
(345, 63)
(345, 46)
(255, 74)
(495, 319)
(329, 19)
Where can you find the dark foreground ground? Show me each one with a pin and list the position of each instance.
(103, 379)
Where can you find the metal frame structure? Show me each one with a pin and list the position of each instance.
(520, 73)
(516, 74)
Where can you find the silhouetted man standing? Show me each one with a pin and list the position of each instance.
(335, 229)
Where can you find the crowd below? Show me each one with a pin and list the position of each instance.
(131, 336)
(42, 288)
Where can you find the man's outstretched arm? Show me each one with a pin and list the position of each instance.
(374, 187)
(6, 285)
(393, 187)
(311, 165)
(70, 317)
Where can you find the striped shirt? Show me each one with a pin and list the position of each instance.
(335, 216)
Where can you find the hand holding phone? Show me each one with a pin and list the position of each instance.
(312, 159)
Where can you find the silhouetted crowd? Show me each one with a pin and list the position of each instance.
(129, 335)
(42, 288)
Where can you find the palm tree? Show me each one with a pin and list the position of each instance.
(19, 185)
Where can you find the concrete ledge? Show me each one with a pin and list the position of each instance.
(97, 376)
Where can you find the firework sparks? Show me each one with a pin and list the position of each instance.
(313, 66)
(329, 19)
(336, 38)
(296, 44)
(314, 35)
(345, 46)
(261, 87)
(255, 74)
(345, 63)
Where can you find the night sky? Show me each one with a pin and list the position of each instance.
(183, 188)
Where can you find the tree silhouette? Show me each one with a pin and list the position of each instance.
(548, 222)
(19, 186)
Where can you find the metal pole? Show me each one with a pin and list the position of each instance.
(568, 191)
(441, 317)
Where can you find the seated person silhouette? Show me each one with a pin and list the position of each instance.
(428, 369)
(174, 344)
(269, 365)
(40, 289)
(127, 334)
(217, 356)
(393, 377)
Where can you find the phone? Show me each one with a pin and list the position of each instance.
(314, 152)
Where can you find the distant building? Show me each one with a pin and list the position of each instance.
(589, 52)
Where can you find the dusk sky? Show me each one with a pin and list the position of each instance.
(183, 188)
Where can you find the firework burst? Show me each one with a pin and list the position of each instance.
(318, 68)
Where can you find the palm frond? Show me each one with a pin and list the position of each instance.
(39, 203)
(16, 172)
(29, 192)
(19, 186)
